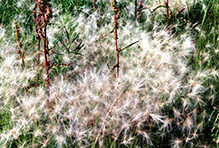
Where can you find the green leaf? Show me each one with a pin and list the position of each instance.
(160, 6)
(67, 33)
(128, 46)
(72, 41)
(78, 48)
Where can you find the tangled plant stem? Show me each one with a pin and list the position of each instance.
(168, 15)
(105, 119)
(19, 44)
(136, 5)
(41, 25)
(38, 38)
(117, 14)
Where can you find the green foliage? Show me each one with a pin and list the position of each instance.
(8, 10)
(73, 7)
(215, 129)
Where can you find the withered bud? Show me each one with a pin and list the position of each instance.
(19, 52)
(166, 3)
(113, 5)
(19, 45)
(115, 37)
(118, 14)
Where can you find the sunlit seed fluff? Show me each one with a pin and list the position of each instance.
(155, 75)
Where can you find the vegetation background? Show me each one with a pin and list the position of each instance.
(163, 94)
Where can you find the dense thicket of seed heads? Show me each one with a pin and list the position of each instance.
(157, 92)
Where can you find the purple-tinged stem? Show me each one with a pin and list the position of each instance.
(46, 59)
(46, 51)
(136, 3)
(117, 49)
(168, 15)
